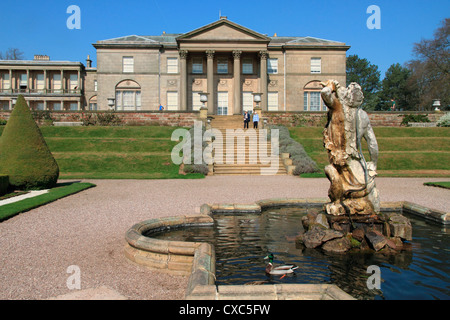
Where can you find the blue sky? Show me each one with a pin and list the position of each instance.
(39, 27)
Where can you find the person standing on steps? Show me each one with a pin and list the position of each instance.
(246, 120)
(255, 120)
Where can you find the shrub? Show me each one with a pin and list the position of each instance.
(24, 154)
(444, 121)
(300, 159)
(414, 118)
(4, 184)
(108, 118)
(2, 122)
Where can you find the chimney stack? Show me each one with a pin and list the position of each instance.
(41, 57)
(88, 62)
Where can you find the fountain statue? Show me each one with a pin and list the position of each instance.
(352, 189)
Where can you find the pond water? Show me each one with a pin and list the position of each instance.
(242, 241)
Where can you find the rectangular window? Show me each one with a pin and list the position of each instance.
(92, 106)
(272, 101)
(247, 66)
(95, 85)
(6, 84)
(57, 106)
(315, 101)
(40, 106)
(222, 66)
(196, 103)
(247, 101)
(73, 82)
(197, 65)
(316, 65)
(128, 100)
(23, 81)
(57, 84)
(73, 106)
(40, 81)
(128, 64)
(172, 100)
(172, 65)
(222, 103)
(272, 66)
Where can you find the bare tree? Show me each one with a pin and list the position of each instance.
(431, 70)
(12, 54)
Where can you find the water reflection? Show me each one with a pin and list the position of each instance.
(242, 241)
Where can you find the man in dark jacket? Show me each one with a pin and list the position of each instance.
(246, 119)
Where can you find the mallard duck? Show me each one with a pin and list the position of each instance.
(278, 270)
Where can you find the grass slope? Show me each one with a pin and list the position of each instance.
(114, 152)
(403, 152)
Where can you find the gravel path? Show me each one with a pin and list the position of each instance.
(87, 229)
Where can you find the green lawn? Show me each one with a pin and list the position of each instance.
(60, 191)
(139, 152)
(441, 184)
(403, 152)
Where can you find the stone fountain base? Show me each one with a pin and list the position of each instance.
(385, 231)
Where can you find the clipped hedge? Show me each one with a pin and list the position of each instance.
(24, 154)
(4, 184)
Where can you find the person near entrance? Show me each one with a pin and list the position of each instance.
(255, 120)
(246, 119)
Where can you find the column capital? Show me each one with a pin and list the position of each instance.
(263, 54)
(237, 54)
(183, 54)
(210, 54)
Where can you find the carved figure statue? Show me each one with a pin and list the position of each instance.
(352, 189)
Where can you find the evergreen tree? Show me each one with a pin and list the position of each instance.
(367, 75)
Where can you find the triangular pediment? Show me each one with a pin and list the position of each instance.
(223, 30)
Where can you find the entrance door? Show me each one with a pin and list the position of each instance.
(222, 103)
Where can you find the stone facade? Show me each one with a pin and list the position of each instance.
(223, 59)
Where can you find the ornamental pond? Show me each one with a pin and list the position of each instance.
(241, 242)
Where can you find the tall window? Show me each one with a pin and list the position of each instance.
(172, 100)
(316, 65)
(128, 64)
(6, 84)
(73, 82)
(95, 85)
(128, 95)
(222, 66)
(23, 81)
(196, 103)
(197, 65)
(57, 84)
(40, 82)
(272, 101)
(272, 66)
(247, 66)
(247, 101)
(172, 65)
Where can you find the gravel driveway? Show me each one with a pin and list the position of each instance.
(87, 229)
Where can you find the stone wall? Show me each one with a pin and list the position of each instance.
(318, 119)
(165, 118)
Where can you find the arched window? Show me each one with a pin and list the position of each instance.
(93, 103)
(311, 97)
(128, 95)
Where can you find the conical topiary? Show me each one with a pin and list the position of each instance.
(24, 154)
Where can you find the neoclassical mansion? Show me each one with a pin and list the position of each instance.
(223, 59)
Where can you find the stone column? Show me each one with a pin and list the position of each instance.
(237, 81)
(263, 83)
(210, 79)
(183, 80)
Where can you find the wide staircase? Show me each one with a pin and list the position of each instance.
(246, 157)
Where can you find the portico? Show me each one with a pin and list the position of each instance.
(236, 63)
